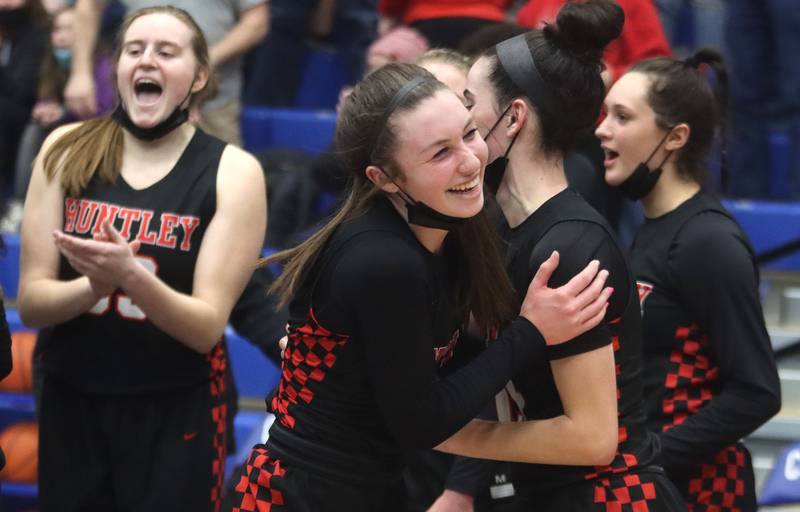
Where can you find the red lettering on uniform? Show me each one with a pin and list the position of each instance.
(88, 209)
(70, 214)
(107, 212)
(128, 215)
(146, 236)
(189, 226)
(165, 236)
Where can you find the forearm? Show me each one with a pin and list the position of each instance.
(250, 30)
(46, 302)
(559, 440)
(193, 321)
(728, 418)
(87, 25)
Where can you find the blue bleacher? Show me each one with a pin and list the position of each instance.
(307, 130)
(9, 265)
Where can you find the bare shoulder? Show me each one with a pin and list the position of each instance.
(238, 163)
(60, 132)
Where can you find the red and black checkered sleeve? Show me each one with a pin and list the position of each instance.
(717, 280)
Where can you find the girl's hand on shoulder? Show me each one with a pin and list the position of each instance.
(563, 313)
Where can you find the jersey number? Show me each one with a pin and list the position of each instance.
(124, 304)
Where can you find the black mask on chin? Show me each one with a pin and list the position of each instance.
(175, 119)
(493, 175)
(643, 180)
(421, 214)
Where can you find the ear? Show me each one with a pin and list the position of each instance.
(678, 137)
(200, 80)
(376, 176)
(517, 116)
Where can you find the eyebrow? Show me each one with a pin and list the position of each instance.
(444, 141)
(158, 43)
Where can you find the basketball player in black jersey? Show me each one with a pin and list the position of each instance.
(380, 297)
(533, 95)
(710, 375)
(139, 233)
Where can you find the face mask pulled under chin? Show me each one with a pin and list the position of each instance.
(642, 181)
(420, 214)
(177, 118)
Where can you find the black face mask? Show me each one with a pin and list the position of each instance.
(11, 19)
(643, 180)
(421, 214)
(495, 171)
(175, 119)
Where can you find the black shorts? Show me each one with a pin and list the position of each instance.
(270, 484)
(644, 490)
(161, 451)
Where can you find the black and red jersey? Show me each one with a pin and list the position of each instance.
(567, 223)
(113, 348)
(369, 327)
(710, 374)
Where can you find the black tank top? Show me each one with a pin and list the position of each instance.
(113, 348)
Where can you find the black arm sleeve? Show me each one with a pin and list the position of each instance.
(383, 286)
(5, 344)
(578, 243)
(254, 316)
(718, 282)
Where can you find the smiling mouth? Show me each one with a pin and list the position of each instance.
(466, 187)
(147, 91)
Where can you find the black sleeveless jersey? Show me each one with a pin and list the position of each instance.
(567, 223)
(113, 348)
(710, 375)
(369, 327)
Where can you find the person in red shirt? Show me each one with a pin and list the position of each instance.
(444, 23)
(642, 35)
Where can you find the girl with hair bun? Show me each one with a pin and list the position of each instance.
(531, 96)
(710, 374)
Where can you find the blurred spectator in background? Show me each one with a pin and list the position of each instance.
(50, 110)
(642, 36)
(692, 24)
(762, 38)
(443, 23)
(344, 28)
(23, 38)
(231, 27)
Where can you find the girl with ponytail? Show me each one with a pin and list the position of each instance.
(139, 233)
(532, 96)
(710, 375)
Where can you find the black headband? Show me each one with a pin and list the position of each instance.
(398, 98)
(516, 59)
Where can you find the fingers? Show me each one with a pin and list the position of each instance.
(588, 315)
(283, 342)
(545, 270)
(112, 234)
(591, 292)
(579, 282)
(134, 246)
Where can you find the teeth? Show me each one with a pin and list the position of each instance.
(467, 186)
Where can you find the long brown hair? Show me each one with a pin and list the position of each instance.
(361, 139)
(95, 147)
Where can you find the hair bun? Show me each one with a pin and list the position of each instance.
(585, 28)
